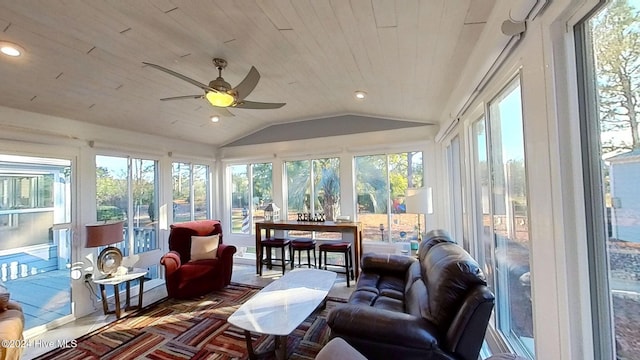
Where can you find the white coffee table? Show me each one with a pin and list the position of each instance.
(281, 306)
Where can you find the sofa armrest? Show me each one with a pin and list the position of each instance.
(11, 327)
(385, 263)
(171, 262)
(382, 326)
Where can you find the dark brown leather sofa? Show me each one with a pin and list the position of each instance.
(434, 307)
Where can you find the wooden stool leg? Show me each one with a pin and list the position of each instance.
(325, 260)
(351, 266)
(284, 264)
(346, 267)
(269, 263)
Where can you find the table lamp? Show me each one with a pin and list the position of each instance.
(416, 202)
(104, 234)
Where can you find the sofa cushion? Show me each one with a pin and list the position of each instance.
(391, 286)
(363, 297)
(451, 273)
(432, 238)
(389, 303)
(204, 247)
(415, 298)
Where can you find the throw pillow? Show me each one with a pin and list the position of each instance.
(4, 297)
(204, 247)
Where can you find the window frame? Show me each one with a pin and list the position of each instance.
(602, 329)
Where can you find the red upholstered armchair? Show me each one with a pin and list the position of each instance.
(187, 279)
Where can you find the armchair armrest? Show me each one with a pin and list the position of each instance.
(382, 326)
(226, 251)
(171, 262)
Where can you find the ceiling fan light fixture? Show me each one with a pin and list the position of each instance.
(360, 95)
(220, 99)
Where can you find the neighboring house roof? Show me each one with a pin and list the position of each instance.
(629, 156)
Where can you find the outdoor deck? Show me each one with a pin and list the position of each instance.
(44, 296)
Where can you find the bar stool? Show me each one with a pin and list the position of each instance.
(299, 245)
(338, 247)
(271, 243)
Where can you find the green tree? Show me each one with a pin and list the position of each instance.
(326, 182)
(263, 182)
(616, 39)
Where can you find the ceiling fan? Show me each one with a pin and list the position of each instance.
(219, 93)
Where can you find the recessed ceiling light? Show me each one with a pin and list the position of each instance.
(10, 49)
(360, 95)
(215, 118)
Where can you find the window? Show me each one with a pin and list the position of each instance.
(381, 185)
(502, 217)
(190, 181)
(609, 47)
(456, 210)
(249, 181)
(313, 187)
(126, 189)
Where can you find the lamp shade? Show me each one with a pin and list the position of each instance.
(221, 99)
(416, 201)
(106, 233)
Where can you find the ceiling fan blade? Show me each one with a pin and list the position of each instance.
(180, 76)
(247, 85)
(223, 111)
(183, 97)
(259, 105)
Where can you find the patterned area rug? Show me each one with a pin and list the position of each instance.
(193, 329)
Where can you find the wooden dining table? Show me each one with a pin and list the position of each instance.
(351, 228)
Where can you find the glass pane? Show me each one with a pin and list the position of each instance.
(483, 228)
(181, 192)
(326, 192)
(112, 191)
(615, 33)
(201, 192)
(240, 199)
(262, 190)
(405, 172)
(372, 190)
(298, 175)
(145, 205)
(510, 218)
(35, 254)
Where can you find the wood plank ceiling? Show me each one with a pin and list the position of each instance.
(84, 59)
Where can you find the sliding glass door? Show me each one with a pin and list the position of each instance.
(35, 228)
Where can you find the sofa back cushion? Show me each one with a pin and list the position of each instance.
(451, 274)
(181, 233)
(432, 238)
